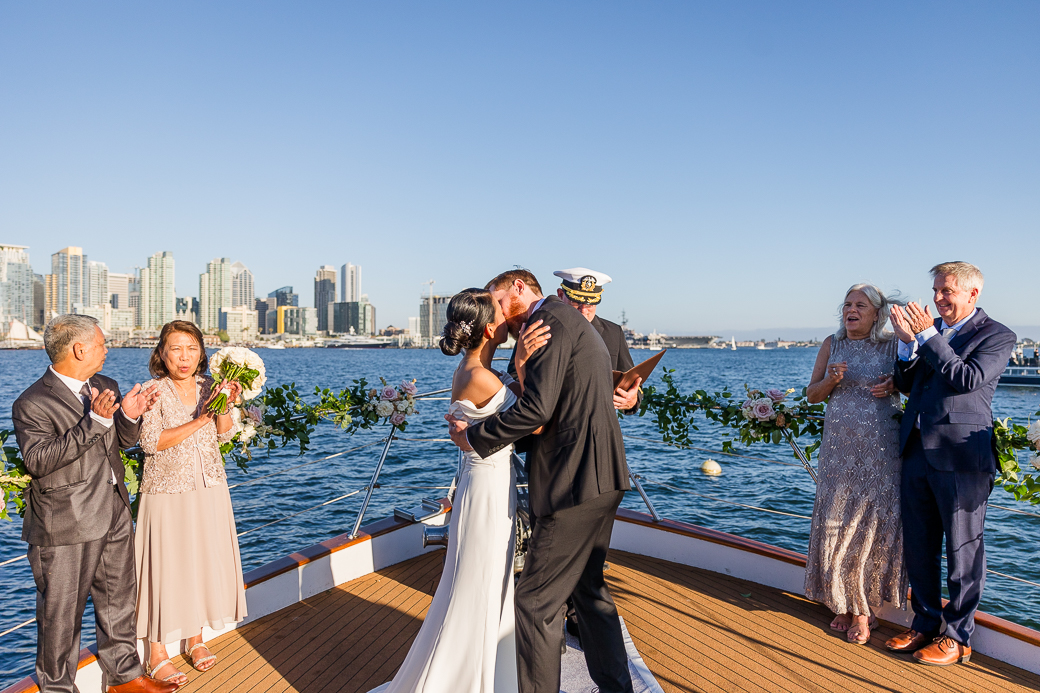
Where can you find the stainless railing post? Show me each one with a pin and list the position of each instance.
(372, 484)
(801, 457)
(455, 479)
(646, 499)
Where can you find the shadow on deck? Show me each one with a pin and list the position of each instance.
(696, 630)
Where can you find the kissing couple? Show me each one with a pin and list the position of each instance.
(560, 410)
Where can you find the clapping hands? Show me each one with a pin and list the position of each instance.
(910, 321)
(138, 401)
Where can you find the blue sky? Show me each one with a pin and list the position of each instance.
(733, 166)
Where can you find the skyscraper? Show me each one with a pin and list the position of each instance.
(96, 291)
(119, 289)
(214, 293)
(16, 286)
(324, 294)
(158, 302)
(243, 292)
(285, 296)
(69, 268)
(349, 283)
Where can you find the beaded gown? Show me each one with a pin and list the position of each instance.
(856, 543)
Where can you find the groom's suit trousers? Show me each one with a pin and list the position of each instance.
(565, 559)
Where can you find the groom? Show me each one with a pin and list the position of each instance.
(577, 475)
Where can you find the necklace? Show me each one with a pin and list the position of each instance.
(181, 391)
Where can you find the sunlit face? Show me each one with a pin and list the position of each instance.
(499, 327)
(92, 353)
(586, 309)
(858, 314)
(951, 301)
(513, 309)
(181, 355)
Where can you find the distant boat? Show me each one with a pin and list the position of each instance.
(274, 345)
(1020, 376)
(733, 343)
(354, 342)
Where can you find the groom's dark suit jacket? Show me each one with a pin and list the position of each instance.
(568, 388)
(71, 459)
(951, 386)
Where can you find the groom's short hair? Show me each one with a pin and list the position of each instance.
(510, 276)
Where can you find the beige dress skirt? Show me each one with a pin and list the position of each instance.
(189, 572)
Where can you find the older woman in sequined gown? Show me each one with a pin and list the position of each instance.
(856, 544)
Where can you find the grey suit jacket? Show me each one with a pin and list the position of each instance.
(620, 358)
(71, 459)
(950, 387)
(569, 389)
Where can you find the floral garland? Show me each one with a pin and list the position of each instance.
(770, 417)
(274, 418)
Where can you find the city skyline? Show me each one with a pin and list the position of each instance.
(732, 167)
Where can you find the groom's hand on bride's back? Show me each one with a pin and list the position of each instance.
(457, 431)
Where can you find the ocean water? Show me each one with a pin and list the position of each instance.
(765, 476)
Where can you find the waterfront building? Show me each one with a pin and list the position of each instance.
(134, 295)
(285, 296)
(214, 293)
(243, 292)
(69, 268)
(188, 309)
(119, 289)
(353, 317)
(413, 327)
(50, 297)
(349, 283)
(158, 302)
(39, 301)
(239, 323)
(324, 294)
(95, 292)
(16, 286)
(432, 316)
(266, 315)
(297, 321)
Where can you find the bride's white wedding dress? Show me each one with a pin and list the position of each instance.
(466, 642)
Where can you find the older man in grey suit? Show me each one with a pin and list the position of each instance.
(70, 425)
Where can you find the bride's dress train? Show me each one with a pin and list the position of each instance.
(466, 642)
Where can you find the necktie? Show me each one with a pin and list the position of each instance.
(84, 392)
(948, 333)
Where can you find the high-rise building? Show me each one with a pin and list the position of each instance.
(266, 308)
(243, 292)
(353, 317)
(16, 286)
(324, 294)
(133, 291)
(69, 267)
(119, 289)
(158, 302)
(214, 293)
(188, 309)
(432, 311)
(349, 283)
(239, 323)
(96, 291)
(39, 300)
(285, 296)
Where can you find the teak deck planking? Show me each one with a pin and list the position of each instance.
(696, 631)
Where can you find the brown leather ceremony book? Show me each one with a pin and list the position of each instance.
(640, 370)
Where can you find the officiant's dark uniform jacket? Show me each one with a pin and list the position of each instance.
(79, 529)
(577, 475)
(949, 462)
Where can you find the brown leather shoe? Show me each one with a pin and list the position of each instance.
(943, 652)
(908, 641)
(144, 684)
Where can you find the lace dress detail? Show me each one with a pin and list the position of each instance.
(466, 643)
(856, 543)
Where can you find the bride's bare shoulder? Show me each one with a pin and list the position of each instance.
(478, 385)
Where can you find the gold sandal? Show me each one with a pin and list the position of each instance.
(856, 635)
(197, 663)
(167, 679)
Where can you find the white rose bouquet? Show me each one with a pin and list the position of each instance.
(236, 365)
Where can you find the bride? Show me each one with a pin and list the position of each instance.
(466, 642)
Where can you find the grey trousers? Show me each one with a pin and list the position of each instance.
(565, 559)
(104, 569)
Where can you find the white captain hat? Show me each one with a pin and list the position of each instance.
(582, 285)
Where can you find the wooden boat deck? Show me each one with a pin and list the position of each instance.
(696, 631)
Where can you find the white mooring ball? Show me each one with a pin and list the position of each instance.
(711, 468)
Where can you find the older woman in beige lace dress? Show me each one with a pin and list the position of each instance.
(855, 559)
(189, 573)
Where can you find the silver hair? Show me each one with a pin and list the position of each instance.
(63, 331)
(968, 275)
(883, 304)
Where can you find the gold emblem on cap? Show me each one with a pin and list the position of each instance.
(588, 283)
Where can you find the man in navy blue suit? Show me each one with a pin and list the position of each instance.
(949, 367)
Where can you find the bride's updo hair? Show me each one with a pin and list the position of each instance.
(468, 313)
